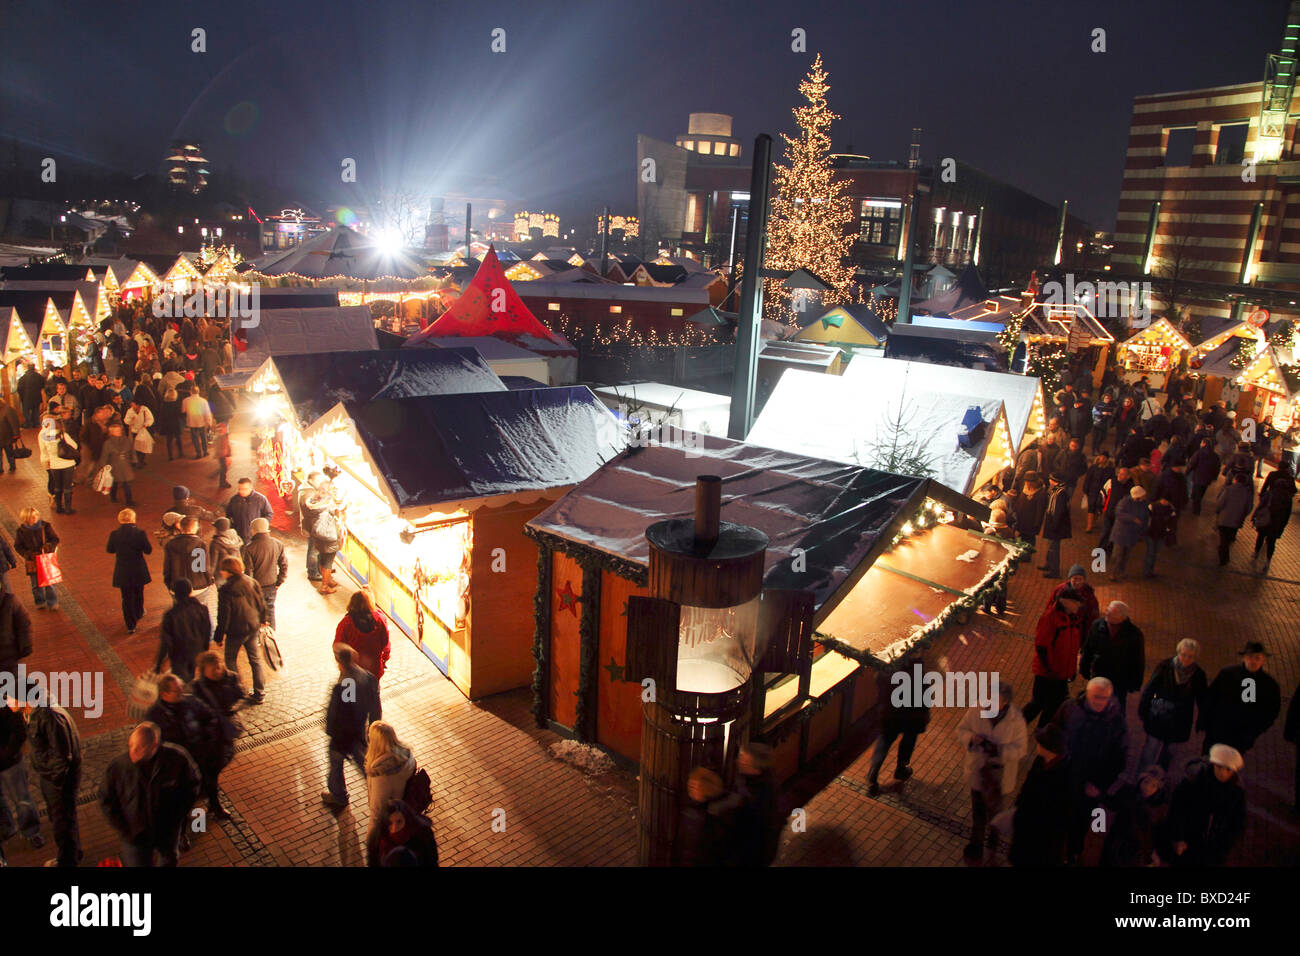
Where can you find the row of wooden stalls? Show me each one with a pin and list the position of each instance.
(48, 328)
(440, 466)
(859, 570)
(1248, 365)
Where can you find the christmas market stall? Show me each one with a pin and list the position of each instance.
(489, 306)
(289, 392)
(1022, 395)
(848, 327)
(860, 571)
(960, 440)
(437, 491)
(18, 348)
(1155, 352)
(300, 331)
(42, 314)
(80, 304)
(1247, 374)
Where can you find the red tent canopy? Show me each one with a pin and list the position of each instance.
(473, 313)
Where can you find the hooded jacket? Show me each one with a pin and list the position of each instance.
(1005, 744)
(181, 555)
(368, 636)
(1060, 635)
(386, 781)
(224, 544)
(241, 609)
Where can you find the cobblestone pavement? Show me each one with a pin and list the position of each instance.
(487, 757)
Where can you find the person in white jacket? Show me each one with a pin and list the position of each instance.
(994, 748)
(138, 420)
(389, 765)
(60, 470)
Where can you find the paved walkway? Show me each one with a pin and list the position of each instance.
(490, 765)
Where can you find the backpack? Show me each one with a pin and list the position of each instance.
(418, 794)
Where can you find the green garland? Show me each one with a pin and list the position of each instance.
(588, 646)
(638, 574)
(1246, 353)
(1009, 337)
(541, 634)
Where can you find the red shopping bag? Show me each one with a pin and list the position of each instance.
(47, 570)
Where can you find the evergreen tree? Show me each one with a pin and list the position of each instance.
(810, 213)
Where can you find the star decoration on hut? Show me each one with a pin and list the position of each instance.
(615, 670)
(623, 613)
(568, 599)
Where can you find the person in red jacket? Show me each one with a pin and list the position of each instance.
(1077, 580)
(1056, 655)
(363, 629)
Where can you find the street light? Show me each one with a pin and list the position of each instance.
(180, 230)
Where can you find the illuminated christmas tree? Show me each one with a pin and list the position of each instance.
(808, 228)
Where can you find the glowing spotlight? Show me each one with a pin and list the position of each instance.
(389, 242)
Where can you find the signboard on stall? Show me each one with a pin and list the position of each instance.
(1080, 337)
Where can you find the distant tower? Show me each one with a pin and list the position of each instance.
(914, 156)
(187, 170)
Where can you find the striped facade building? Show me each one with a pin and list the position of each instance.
(1211, 191)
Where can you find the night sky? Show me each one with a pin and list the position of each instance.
(412, 91)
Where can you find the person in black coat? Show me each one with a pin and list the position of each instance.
(130, 570)
(189, 722)
(1042, 816)
(245, 505)
(1168, 704)
(186, 630)
(1030, 506)
(1208, 812)
(31, 390)
(147, 795)
(55, 754)
(1056, 524)
(408, 839)
(1094, 483)
(1115, 648)
(758, 820)
(1096, 738)
(905, 721)
(1115, 494)
(707, 829)
(220, 690)
(241, 612)
(1203, 467)
(354, 705)
(1229, 719)
(1274, 510)
(17, 809)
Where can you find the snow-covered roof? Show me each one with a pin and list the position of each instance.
(301, 331)
(664, 396)
(1017, 392)
(852, 420)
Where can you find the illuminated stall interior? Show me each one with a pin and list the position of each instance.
(18, 347)
(1155, 352)
(41, 312)
(869, 566)
(438, 489)
(960, 440)
(184, 276)
(1223, 368)
(141, 283)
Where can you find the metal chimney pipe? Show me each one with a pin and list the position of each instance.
(708, 510)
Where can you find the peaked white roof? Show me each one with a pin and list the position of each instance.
(848, 420)
(1017, 392)
(300, 331)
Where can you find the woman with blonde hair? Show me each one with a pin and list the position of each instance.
(32, 537)
(389, 765)
(129, 544)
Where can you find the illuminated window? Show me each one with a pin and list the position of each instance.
(553, 306)
(616, 308)
(678, 312)
(688, 144)
(735, 149)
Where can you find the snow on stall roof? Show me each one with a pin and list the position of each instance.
(835, 513)
(299, 331)
(665, 396)
(437, 449)
(846, 420)
(490, 348)
(1016, 391)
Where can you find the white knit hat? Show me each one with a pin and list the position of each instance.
(1224, 756)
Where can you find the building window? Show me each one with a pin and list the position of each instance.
(616, 309)
(1231, 148)
(735, 149)
(677, 312)
(1178, 146)
(553, 306)
(688, 144)
(881, 221)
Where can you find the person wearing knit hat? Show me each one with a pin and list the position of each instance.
(1041, 820)
(1076, 579)
(180, 493)
(1208, 813)
(1057, 639)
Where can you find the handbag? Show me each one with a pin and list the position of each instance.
(19, 450)
(67, 452)
(270, 647)
(48, 571)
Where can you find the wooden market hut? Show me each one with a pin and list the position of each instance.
(18, 347)
(860, 566)
(185, 274)
(848, 327)
(299, 331)
(1021, 395)
(1156, 350)
(1247, 375)
(41, 312)
(961, 440)
(439, 489)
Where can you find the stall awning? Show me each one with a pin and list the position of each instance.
(302, 331)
